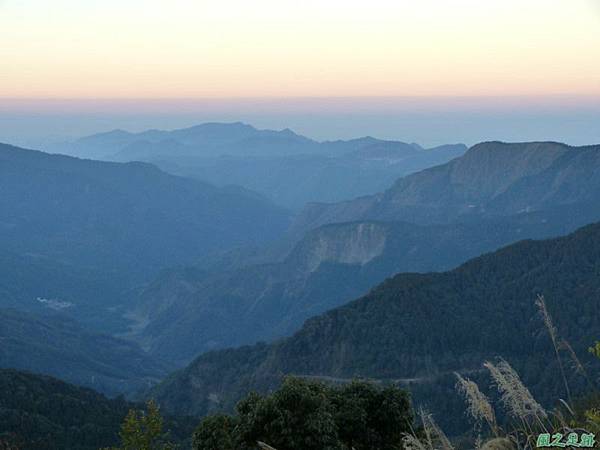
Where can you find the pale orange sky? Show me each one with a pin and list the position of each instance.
(275, 48)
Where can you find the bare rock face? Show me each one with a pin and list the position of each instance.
(350, 243)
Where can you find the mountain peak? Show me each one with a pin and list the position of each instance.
(491, 179)
(520, 146)
(113, 134)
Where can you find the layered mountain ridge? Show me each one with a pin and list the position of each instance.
(189, 311)
(133, 213)
(333, 263)
(491, 179)
(213, 138)
(419, 328)
(289, 169)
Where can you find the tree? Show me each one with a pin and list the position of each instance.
(369, 417)
(142, 430)
(310, 415)
(298, 415)
(215, 433)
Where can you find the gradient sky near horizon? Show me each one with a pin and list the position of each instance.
(241, 48)
(431, 71)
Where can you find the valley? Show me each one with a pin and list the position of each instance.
(283, 225)
(151, 285)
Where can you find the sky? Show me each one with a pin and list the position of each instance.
(321, 66)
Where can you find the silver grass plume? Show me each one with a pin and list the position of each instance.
(499, 444)
(575, 360)
(516, 398)
(432, 429)
(541, 304)
(426, 429)
(553, 332)
(410, 442)
(264, 446)
(479, 407)
(577, 363)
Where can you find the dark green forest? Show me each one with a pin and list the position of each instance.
(42, 413)
(309, 415)
(417, 329)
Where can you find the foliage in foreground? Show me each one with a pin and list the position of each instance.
(42, 413)
(307, 416)
(39, 412)
(310, 415)
(529, 425)
(143, 430)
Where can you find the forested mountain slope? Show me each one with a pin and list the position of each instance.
(296, 179)
(39, 284)
(43, 413)
(491, 179)
(419, 328)
(188, 311)
(126, 217)
(81, 232)
(58, 346)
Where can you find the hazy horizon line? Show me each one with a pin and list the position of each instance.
(428, 120)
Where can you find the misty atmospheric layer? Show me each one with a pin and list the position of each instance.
(283, 225)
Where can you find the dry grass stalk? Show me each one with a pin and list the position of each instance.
(410, 442)
(577, 364)
(499, 444)
(516, 398)
(433, 430)
(264, 446)
(553, 332)
(479, 407)
(574, 359)
(426, 429)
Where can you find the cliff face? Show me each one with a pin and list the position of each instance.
(350, 243)
(210, 310)
(188, 312)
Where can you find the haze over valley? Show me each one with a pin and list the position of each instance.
(284, 225)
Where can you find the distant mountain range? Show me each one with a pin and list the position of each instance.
(189, 311)
(211, 139)
(56, 345)
(118, 222)
(88, 238)
(416, 329)
(492, 179)
(287, 168)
